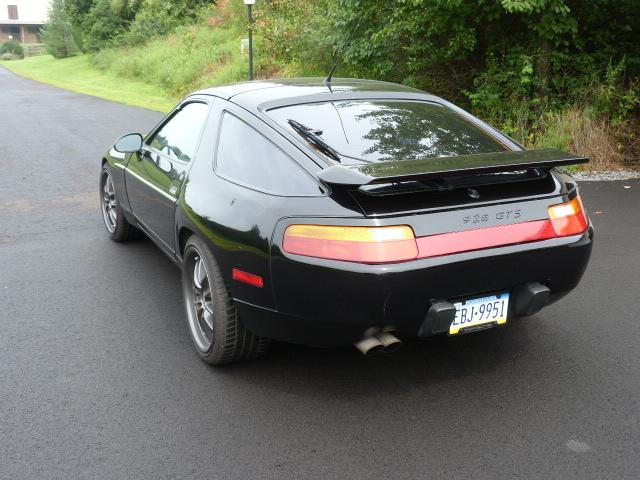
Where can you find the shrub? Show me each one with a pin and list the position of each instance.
(148, 23)
(102, 24)
(57, 34)
(576, 130)
(8, 56)
(12, 47)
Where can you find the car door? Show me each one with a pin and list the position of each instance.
(154, 176)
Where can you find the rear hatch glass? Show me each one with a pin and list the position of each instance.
(380, 130)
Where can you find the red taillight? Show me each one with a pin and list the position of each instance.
(352, 244)
(399, 244)
(246, 277)
(568, 218)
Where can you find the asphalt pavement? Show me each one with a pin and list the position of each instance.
(98, 378)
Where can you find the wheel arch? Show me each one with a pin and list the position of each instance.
(183, 235)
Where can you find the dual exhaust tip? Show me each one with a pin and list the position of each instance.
(381, 342)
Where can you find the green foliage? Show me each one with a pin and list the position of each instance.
(57, 34)
(77, 10)
(101, 24)
(615, 97)
(519, 64)
(148, 24)
(187, 59)
(13, 48)
(107, 23)
(289, 32)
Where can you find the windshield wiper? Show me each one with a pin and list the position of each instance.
(312, 136)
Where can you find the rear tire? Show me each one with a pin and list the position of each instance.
(119, 229)
(218, 335)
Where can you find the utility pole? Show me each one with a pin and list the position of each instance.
(249, 4)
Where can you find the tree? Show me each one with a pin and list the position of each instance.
(57, 34)
(101, 24)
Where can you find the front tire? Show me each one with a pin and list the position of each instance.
(218, 335)
(119, 229)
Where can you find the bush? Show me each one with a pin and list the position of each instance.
(189, 58)
(578, 131)
(57, 34)
(102, 24)
(8, 56)
(12, 47)
(292, 33)
(148, 23)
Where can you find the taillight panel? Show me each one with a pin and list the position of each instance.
(398, 243)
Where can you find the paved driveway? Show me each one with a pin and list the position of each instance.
(98, 378)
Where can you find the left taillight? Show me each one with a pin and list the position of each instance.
(569, 218)
(353, 244)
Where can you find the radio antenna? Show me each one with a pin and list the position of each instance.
(327, 81)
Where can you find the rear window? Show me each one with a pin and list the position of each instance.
(387, 130)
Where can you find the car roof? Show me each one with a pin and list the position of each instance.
(265, 94)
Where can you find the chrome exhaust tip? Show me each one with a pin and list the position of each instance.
(369, 346)
(390, 343)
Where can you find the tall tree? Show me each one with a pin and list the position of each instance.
(57, 34)
(101, 24)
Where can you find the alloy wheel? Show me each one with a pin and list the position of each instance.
(199, 302)
(109, 206)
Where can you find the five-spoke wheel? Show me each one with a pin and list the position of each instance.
(109, 210)
(115, 222)
(200, 304)
(218, 334)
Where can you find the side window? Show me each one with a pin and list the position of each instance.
(247, 157)
(178, 137)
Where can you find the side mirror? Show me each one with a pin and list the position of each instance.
(129, 143)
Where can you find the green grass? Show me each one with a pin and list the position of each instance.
(190, 58)
(79, 74)
(156, 75)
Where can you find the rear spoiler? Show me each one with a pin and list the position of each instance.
(439, 167)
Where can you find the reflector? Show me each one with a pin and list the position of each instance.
(246, 277)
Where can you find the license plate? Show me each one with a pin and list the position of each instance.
(478, 312)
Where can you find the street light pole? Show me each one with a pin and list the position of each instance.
(249, 4)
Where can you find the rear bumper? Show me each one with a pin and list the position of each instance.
(329, 303)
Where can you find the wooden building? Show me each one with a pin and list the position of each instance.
(21, 20)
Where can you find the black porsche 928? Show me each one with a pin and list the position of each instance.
(355, 212)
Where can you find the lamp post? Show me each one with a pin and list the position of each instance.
(249, 4)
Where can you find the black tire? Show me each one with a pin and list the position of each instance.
(229, 339)
(119, 229)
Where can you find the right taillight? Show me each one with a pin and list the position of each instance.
(568, 218)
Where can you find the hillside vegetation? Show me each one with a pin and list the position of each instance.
(562, 73)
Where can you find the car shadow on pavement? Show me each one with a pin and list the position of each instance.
(420, 362)
(343, 372)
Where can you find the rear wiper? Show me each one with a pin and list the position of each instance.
(312, 136)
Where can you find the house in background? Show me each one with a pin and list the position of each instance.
(21, 20)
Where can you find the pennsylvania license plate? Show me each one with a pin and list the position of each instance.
(478, 312)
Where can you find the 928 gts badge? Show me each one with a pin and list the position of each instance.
(499, 217)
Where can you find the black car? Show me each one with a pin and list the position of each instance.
(351, 212)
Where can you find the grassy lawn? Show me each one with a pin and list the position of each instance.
(77, 74)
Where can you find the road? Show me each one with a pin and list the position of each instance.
(98, 378)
